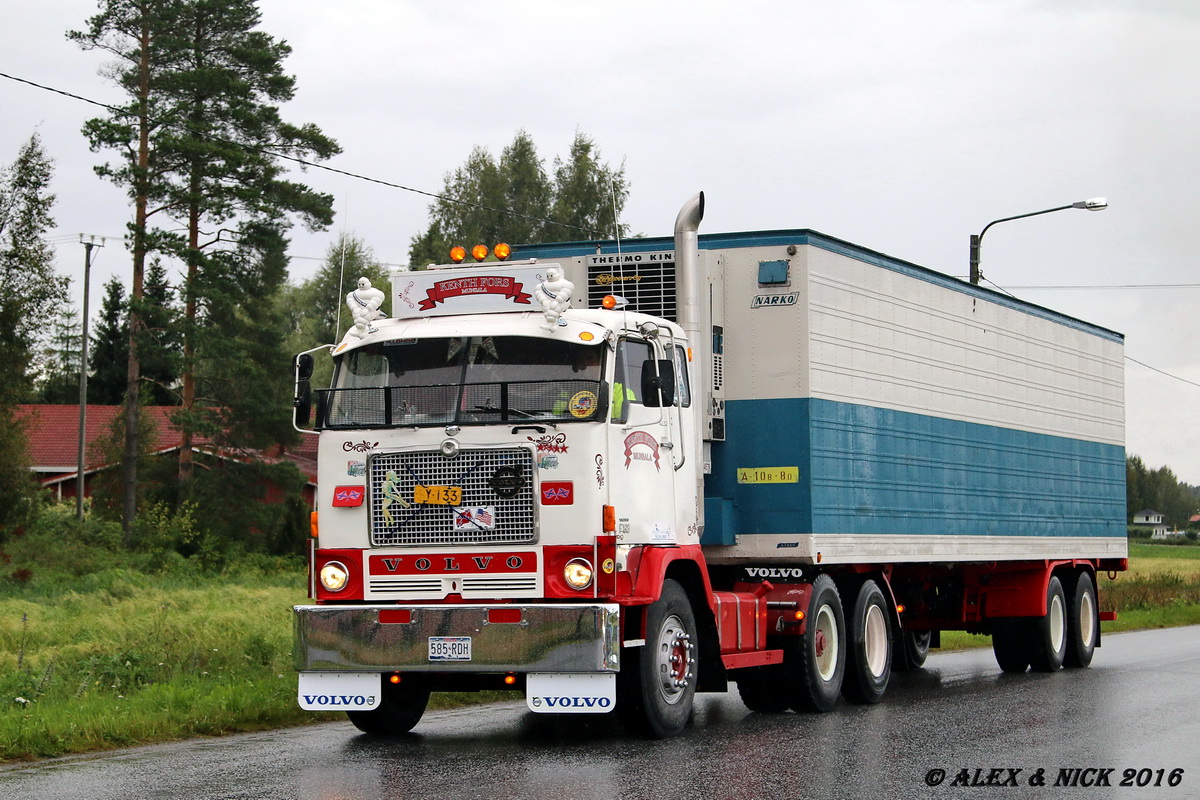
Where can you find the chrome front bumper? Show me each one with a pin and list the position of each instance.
(570, 638)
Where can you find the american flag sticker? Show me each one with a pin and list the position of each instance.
(475, 518)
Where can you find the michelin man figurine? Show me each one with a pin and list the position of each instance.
(554, 294)
(365, 303)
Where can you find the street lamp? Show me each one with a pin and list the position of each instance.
(1094, 204)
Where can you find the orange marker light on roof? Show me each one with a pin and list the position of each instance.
(479, 252)
(502, 251)
(458, 253)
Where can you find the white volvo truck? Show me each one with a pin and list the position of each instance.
(611, 475)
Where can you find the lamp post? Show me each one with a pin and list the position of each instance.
(1094, 204)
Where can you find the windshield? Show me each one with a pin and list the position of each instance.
(470, 380)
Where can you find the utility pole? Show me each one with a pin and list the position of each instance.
(83, 371)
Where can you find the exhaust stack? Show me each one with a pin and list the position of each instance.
(688, 279)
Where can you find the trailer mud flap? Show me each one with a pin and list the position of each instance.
(571, 693)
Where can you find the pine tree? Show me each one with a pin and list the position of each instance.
(59, 382)
(161, 350)
(109, 347)
(203, 140)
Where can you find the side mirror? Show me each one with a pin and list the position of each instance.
(651, 384)
(302, 404)
(304, 366)
(658, 383)
(666, 380)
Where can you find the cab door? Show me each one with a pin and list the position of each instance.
(642, 451)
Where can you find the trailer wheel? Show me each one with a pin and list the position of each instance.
(1083, 623)
(1049, 642)
(1010, 643)
(401, 706)
(821, 654)
(658, 691)
(869, 656)
(911, 650)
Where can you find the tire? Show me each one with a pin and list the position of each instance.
(761, 688)
(1083, 623)
(1049, 633)
(401, 706)
(910, 650)
(659, 687)
(869, 656)
(820, 662)
(1010, 643)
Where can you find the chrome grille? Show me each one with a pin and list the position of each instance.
(484, 476)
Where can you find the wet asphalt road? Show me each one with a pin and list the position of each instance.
(1137, 708)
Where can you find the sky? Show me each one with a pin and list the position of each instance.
(901, 127)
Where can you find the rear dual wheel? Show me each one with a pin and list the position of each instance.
(1066, 635)
(869, 656)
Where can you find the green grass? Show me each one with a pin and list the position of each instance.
(103, 648)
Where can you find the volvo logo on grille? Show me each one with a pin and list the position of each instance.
(506, 482)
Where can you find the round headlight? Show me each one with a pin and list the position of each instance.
(578, 573)
(334, 576)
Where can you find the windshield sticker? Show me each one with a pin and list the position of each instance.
(583, 404)
(550, 443)
(558, 493)
(480, 518)
(641, 439)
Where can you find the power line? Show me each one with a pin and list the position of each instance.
(1120, 286)
(1159, 371)
(304, 163)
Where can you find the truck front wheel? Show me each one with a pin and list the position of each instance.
(869, 662)
(821, 654)
(658, 684)
(401, 706)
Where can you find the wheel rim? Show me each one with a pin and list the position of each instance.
(825, 643)
(1087, 619)
(673, 659)
(875, 641)
(1058, 624)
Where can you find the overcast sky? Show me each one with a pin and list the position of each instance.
(900, 126)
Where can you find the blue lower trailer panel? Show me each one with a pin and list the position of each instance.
(877, 485)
